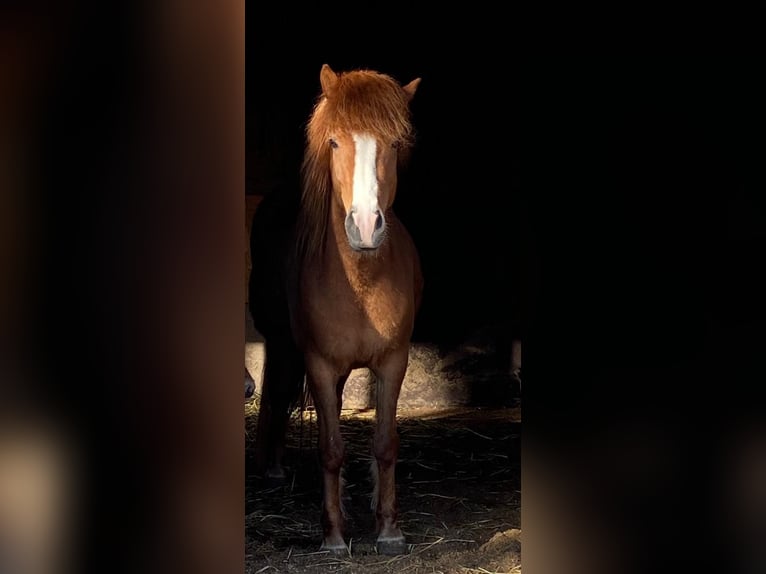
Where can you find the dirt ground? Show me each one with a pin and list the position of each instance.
(458, 483)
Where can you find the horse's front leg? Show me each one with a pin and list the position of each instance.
(389, 374)
(323, 380)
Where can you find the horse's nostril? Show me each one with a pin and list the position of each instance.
(378, 221)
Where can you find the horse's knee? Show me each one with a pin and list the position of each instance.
(385, 447)
(333, 453)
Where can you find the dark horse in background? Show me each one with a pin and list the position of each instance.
(336, 286)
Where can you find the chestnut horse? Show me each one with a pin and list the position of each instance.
(340, 288)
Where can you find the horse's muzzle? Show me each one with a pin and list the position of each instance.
(365, 230)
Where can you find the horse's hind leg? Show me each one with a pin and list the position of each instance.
(283, 377)
(249, 384)
(515, 370)
(390, 375)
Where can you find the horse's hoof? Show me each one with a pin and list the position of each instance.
(335, 548)
(275, 477)
(274, 481)
(391, 546)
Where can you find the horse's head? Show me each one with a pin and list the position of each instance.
(364, 121)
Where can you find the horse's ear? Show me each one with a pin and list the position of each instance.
(328, 79)
(411, 88)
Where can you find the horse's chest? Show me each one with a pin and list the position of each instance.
(359, 322)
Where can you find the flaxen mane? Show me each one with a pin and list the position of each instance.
(363, 101)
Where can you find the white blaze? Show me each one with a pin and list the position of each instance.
(364, 202)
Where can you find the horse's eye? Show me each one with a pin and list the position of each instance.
(333, 144)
